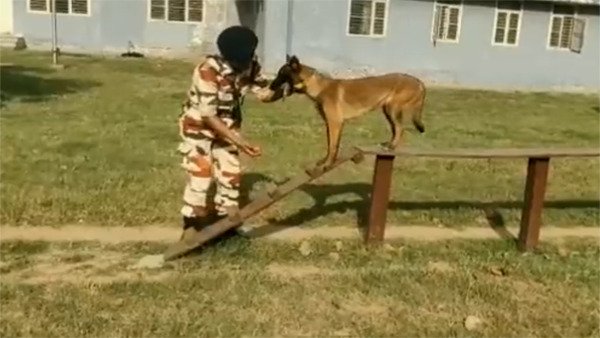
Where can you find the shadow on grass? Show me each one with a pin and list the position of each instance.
(322, 192)
(27, 84)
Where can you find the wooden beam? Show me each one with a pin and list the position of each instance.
(531, 217)
(257, 205)
(382, 179)
(485, 153)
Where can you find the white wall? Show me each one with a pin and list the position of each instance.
(6, 16)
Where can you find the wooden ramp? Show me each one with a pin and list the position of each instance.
(272, 195)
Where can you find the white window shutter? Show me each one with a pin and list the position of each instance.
(436, 24)
(379, 18)
(195, 10)
(79, 6)
(38, 5)
(157, 9)
(577, 35)
(176, 10)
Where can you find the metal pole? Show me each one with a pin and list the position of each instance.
(54, 36)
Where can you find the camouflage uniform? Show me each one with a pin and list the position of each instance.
(215, 91)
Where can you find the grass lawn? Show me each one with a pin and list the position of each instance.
(267, 289)
(96, 144)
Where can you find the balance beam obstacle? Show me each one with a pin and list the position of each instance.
(535, 184)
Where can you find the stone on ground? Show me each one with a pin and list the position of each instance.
(150, 262)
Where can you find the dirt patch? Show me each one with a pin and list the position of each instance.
(359, 305)
(79, 233)
(90, 278)
(75, 233)
(296, 271)
(527, 289)
(440, 267)
(92, 268)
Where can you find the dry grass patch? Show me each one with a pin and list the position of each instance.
(248, 288)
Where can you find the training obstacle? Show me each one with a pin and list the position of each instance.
(535, 188)
(535, 184)
(272, 194)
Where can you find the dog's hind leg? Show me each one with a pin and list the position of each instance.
(415, 109)
(416, 112)
(394, 118)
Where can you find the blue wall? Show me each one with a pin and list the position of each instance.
(275, 37)
(319, 39)
(315, 30)
(113, 23)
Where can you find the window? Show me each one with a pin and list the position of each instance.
(367, 17)
(38, 5)
(508, 23)
(566, 29)
(446, 20)
(177, 10)
(62, 6)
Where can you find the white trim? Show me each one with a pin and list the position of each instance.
(186, 14)
(459, 23)
(371, 27)
(70, 2)
(385, 19)
(552, 15)
(520, 12)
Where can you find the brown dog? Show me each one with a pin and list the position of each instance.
(337, 100)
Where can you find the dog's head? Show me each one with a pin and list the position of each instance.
(289, 74)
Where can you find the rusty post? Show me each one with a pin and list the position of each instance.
(382, 179)
(531, 216)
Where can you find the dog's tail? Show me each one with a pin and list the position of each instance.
(418, 110)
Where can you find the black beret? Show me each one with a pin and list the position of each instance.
(237, 45)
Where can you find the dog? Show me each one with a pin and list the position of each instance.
(338, 100)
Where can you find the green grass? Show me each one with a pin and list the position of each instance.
(96, 143)
(249, 288)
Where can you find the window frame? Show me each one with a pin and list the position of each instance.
(166, 17)
(47, 11)
(372, 25)
(575, 15)
(461, 8)
(520, 12)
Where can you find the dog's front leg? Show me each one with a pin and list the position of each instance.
(329, 155)
(334, 132)
(321, 111)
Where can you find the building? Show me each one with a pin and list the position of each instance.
(114, 25)
(551, 44)
(6, 16)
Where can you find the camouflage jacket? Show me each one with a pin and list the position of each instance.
(216, 91)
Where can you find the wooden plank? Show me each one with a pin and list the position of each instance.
(257, 205)
(382, 179)
(485, 153)
(531, 217)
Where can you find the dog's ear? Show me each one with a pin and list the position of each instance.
(294, 63)
(287, 58)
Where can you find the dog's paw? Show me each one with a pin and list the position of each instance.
(314, 171)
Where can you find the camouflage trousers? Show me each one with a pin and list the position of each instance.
(207, 161)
